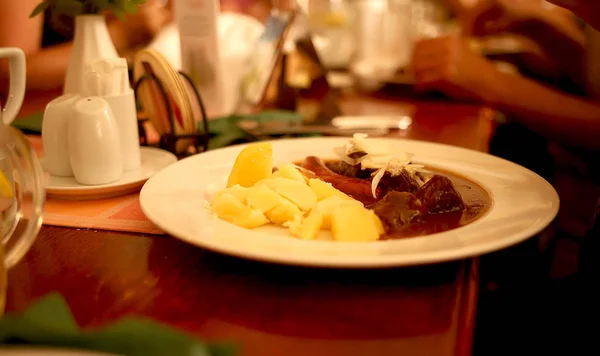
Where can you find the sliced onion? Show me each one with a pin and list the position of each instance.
(341, 153)
(376, 181)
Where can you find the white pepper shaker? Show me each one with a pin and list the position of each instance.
(94, 143)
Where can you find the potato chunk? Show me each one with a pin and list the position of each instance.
(250, 219)
(263, 198)
(307, 228)
(284, 213)
(378, 222)
(225, 204)
(289, 171)
(228, 208)
(296, 192)
(240, 193)
(254, 163)
(324, 190)
(326, 207)
(352, 223)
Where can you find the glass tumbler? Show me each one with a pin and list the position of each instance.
(22, 194)
(383, 37)
(330, 23)
(22, 198)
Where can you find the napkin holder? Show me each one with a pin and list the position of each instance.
(168, 141)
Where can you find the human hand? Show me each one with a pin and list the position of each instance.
(495, 16)
(447, 64)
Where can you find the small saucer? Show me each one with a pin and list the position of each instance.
(153, 160)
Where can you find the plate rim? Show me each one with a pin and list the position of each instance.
(424, 258)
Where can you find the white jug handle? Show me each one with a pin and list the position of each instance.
(16, 93)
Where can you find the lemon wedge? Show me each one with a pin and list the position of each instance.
(6, 189)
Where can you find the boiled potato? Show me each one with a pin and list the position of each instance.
(240, 193)
(291, 172)
(284, 213)
(378, 222)
(250, 219)
(324, 190)
(353, 223)
(225, 204)
(296, 192)
(307, 228)
(255, 196)
(326, 206)
(263, 198)
(254, 163)
(228, 208)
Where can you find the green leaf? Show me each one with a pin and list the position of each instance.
(49, 322)
(41, 7)
(131, 6)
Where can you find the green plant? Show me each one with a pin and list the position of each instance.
(84, 7)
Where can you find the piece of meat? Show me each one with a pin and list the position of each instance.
(397, 209)
(359, 189)
(348, 170)
(345, 169)
(402, 182)
(439, 195)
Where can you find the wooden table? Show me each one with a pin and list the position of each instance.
(270, 309)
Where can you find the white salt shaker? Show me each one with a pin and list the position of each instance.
(54, 135)
(94, 143)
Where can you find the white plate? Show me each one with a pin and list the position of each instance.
(34, 351)
(153, 160)
(523, 204)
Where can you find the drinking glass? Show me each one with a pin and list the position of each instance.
(22, 198)
(383, 38)
(428, 18)
(330, 23)
(22, 194)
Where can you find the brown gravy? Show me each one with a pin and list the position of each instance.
(476, 199)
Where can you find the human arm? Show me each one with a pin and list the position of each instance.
(448, 65)
(568, 119)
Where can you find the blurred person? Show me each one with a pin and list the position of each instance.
(47, 39)
(565, 128)
(568, 126)
(448, 64)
